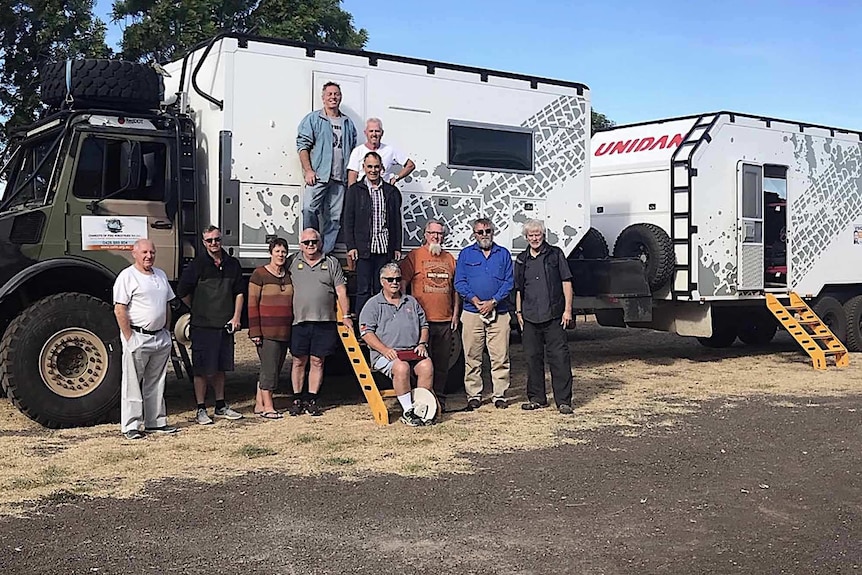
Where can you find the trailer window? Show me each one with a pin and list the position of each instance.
(752, 192)
(492, 148)
(102, 170)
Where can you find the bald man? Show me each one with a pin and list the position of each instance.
(141, 304)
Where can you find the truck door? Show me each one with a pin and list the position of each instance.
(750, 251)
(120, 192)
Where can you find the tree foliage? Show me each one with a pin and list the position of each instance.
(600, 122)
(34, 33)
(161, 30)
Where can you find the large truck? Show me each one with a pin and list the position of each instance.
(124, 152)
(724, 208)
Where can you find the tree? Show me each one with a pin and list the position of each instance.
(600, 122)
(33, 34)
(161, 30)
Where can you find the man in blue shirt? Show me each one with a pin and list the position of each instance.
(484, 277)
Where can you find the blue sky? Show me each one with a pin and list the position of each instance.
(644, 59)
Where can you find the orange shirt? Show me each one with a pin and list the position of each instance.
(430, 279)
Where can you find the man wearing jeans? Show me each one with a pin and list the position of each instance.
(484, 278)
(324, 141)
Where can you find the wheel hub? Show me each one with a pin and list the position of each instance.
(73, 362)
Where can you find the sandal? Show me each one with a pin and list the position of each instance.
(270, 415)
(531, 405)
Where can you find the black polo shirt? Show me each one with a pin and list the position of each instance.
(540, 280)
(213, 289)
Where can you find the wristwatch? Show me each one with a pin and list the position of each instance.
(425, 343)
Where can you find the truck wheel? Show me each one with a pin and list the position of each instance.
(61, 361)
(653, 247)
(591, 247)
(853, 315)
(831, 312)
(723, 334)
(104, 83)
(759, 329)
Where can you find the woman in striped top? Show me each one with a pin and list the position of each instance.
(270, 315)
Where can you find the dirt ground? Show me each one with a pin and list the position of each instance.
(679, 459)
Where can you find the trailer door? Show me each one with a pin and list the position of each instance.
(750, 251)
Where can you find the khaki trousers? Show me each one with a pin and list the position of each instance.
(145, 367)
(477, 336)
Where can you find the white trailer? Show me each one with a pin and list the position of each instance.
(726, 207)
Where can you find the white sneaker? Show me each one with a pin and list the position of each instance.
(228, 413)
(202, 418)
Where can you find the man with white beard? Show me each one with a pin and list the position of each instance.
(428, 275)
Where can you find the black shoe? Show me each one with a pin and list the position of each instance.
(296, 408)
(133, 434)
(162, 429)
(500, 404)
(312, 409)
(473, 404)
(531, 405)
(565, 409)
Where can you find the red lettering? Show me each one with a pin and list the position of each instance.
(645, 143)
(633, 144)
(639, 145)
(676, 141)
(603, 149)
(620, 147)
(661, 144)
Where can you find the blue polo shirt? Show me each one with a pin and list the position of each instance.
(485, 278)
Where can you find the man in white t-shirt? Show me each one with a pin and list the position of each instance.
(389, 155)
(141, 304)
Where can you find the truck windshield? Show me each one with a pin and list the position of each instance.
(28, 176)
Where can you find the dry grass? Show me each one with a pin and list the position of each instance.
(628, 379)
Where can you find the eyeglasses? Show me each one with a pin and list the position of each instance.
(310, 242)
(393, 280)
(435, 233)
(483, 232)
(377, 167)
(212, 240)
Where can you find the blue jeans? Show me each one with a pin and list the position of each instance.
(327, 200)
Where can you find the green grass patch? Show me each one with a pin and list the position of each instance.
(306, 438)
(414, 467)
(255, 451)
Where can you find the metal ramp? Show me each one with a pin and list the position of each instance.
(360, 367)
(809, 331)
(681, 174)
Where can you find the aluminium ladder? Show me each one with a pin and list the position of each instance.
(809, 331)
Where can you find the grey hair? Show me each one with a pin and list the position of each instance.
(534, 226)
(438, 222)
(485, 221)
(391, 266)
(377, 121)
(316, 233)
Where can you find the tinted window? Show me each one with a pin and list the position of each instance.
(34, 168)
(492, 148)
(103, 165)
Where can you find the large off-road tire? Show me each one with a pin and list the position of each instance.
(724, 330)
(591, 247)
(831, 312)
(102, 83)
(853, 315)
(652, 245)
(61, 361)
(756, 328)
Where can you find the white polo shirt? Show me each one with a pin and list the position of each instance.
(389, 155)
(146, 295)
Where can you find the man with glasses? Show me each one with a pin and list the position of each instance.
(372, 226)
(484, 278)
(212, 287)
(317, 281)
(428, 275)
(394, 327)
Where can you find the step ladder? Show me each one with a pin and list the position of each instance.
(809, 331)
(373, 395)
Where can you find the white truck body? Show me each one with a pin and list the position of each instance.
(265, 87)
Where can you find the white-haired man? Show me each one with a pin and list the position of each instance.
(389, 156)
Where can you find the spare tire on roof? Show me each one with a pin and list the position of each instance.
(652, 245)
(111, 84)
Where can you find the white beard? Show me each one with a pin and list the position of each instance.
(435, 249)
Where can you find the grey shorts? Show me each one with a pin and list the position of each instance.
(271, 353)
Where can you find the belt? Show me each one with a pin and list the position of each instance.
(146, 331)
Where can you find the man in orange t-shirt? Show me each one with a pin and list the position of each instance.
(428, 274)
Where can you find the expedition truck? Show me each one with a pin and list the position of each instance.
(724, 208)
(125, 152)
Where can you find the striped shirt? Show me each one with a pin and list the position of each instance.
(379, 231)
(270, 305)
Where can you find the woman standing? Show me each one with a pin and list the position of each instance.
(270, 315)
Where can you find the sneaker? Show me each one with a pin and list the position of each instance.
(296, 408)
(162, 429)
(531, 405)
(227, 413)
(312, 409)
(133, 434)
(202, 418)
(473, 403)
(411, 419)
(565, 409)
(500, 403)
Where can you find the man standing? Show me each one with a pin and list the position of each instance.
(324, 140)
(483, 277)
(372, 226)
(388, 155)
(394, 327)
(212, 287)
(141, 296)
(429, 273)
(317, 281)
(544, 309)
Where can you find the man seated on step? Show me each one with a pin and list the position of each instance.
(393, 325)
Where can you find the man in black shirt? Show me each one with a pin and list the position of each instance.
(544, 309)
(212, 287)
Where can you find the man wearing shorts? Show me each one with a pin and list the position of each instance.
(212, 287)
(317, 281)
(393, 325)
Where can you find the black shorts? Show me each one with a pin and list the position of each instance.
(317, 338)
(212, 350)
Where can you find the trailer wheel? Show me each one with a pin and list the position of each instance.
(61, 361)
(102, 83)
(591, 247)
(723, 334)
(831, 312)
(652, 245)
(758, 329)
(853, 315)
